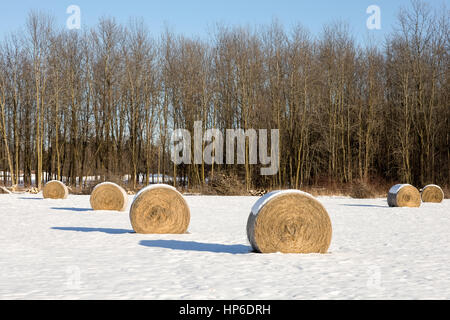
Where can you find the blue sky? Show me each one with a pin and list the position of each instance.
(195, 17)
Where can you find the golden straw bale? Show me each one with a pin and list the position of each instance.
(432, 193)
(404, 195)
(55, 190)
(109, 196)
(289, 221)
(159, 209)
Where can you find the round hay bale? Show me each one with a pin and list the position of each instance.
(289, 221)
(404, 195)
(432, 193)
(55, 190)
(159, 209)
(109, 196)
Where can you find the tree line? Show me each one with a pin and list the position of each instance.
(103, 102)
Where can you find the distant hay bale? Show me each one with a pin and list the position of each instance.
(55, 190)
(109, 196)
(289, 221)
(404, 195)
(432, 193)
(159, 209)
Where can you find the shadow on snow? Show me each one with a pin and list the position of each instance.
(104, 230)
(364, 205)
(73, 209)
(197, 246)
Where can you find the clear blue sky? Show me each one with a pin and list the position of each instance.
(194, 17)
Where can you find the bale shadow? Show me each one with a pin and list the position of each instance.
(365, 205)
(197, 246)
(73, 209)
(104, 230)
(24, 198)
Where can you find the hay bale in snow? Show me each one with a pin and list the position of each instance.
(404, 195)
(159, 209)
(109, 196)
(289, 221)
(55, 190)
(432, 193)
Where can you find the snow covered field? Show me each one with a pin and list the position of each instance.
(53, 249)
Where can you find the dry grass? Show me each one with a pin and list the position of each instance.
(3, 190)
(361, 190)
(88, 187)
(224, 185)
(233, 185)
(446, 190)
(357, 189)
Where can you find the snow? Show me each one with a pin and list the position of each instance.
(261, 202)
(155, 186)
(61, 249)
(111, 184)
(395, 189)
